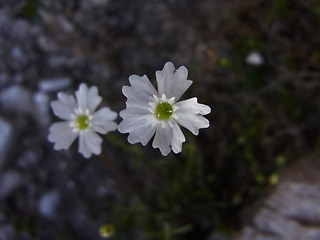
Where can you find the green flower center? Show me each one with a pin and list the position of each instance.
(163, 111)
(82, 122)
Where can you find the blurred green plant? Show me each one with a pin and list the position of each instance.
(107, 230)
(30, 9)
(279, 9)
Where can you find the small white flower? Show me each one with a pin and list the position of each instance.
(81, 120)
(254, 58)
(150, 112)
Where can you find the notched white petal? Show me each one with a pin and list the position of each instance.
(93, 99)
(193, 122)
(182, 72)
(83, 147)
(142, 135)
(104, 114)
(102, 121)
(171, 82)
(162, 139)
(133, 112)
(61, 135)
(142, 84)
(61, 110)
(81, 96)
(89, 142)
(135, 97)
(191, 106)
(139, 123)
(67, 100)
(189, 115)
(177, 138)
(133, 123)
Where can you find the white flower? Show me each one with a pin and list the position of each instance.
(150, 112)
(81, 120)
(254, 58)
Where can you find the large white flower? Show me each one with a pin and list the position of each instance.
(150, 112)
(81, 120)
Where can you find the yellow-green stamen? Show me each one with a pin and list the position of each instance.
(163, 111)
(82, 122)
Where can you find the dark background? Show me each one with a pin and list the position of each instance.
(263, 116)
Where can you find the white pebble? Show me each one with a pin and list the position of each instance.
(255, 58)
(54, 84)
(48, 204)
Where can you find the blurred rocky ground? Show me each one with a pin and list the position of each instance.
(292, 211)
(256, 63)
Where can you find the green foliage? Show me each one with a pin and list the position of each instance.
(290, 103)
(225, 63)
(279, 9)
(315, 9)
(180, 191)
(30, 9)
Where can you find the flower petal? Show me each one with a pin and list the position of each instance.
(189, 115)
(192, 106)
(89, 142)
(177, 138)
(102, 121)
(130, 112)
(139, 126)
(64, 106)
(140, 92)
(172, 82)
(93, 99)
(67, 100)
(142, 84)
(163, 139)
(135, 98)
(62, 135)
(81, 96)
(88, 98)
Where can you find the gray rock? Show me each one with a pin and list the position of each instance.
(7, 232)
(48, 204)
(4, 78)
(292, 211)
(6, 136)
(298, 201)
(17, 53)
(29, 159)
(17, 78)
(65, 25)
(249, 233)
(46, 44)
(54, 84)
(268, 221)
(94, 3)
(41, 103)
(313, 234)
(9, 182)
(20, 30)
(17, 99)
(18, 58)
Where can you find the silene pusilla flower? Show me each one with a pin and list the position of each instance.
(150, 112)
(81, 120)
